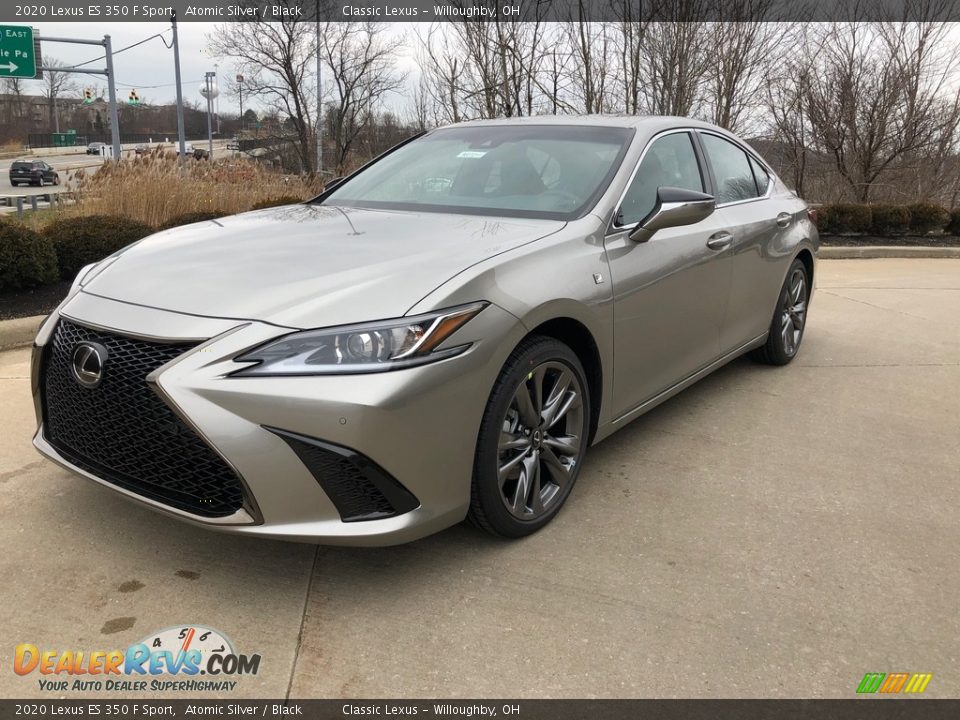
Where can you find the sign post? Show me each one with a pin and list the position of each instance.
(17, 58)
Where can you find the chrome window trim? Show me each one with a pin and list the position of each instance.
(750, 155)
(612, 227)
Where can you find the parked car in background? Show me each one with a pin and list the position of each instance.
(33, 172)
(198, 153)
(95, 148)
(141, 148)
(439, 336)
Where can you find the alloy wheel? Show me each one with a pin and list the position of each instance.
(794, 312)
(540, 440)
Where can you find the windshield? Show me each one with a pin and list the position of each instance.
(555, 172)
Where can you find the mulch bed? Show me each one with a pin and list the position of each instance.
(38, 301)
(901, 241)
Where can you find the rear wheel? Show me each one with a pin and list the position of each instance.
(40, 181)
(532, 439)
(789, 319)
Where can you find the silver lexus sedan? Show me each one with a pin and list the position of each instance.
(439, 336)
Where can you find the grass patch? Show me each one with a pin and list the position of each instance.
(155, 189)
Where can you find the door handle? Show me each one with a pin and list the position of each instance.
(719, 240)
(784, 219)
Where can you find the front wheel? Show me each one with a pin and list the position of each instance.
(532, 439)
(789, 319)
(56, 179)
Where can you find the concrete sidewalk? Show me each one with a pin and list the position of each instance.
(767, 533)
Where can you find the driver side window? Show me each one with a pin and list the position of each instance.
(670, 161)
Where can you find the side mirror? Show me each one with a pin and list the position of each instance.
(675, 207)
(332, 183)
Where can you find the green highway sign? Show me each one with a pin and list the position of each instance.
(17, 58)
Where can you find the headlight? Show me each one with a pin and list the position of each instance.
(362, 348)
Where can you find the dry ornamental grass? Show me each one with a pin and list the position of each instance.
(154, 188)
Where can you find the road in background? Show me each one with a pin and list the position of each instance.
(769, 532)
(67, 163)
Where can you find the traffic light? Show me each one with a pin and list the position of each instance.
(87, 96)
(133, 98)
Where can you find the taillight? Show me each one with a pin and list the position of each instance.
(812, 215)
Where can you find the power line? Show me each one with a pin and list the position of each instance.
(128, 47)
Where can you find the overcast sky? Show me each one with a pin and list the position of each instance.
(149, 67)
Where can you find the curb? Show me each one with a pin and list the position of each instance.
(870, 252)
(19, 331)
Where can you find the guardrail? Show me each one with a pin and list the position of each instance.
(32, 202)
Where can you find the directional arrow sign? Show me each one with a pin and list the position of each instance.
(17, 58)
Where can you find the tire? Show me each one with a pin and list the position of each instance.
(789, 319)
(56, 179)
(532, 449)
(40, 182)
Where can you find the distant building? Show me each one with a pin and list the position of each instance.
(34, 113)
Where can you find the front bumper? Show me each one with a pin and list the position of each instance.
(418, 425)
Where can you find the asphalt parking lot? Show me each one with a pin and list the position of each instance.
(767, 533)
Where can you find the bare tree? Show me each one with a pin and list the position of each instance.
(590, 68)
(56, 84)
(276, 61)
(742, 46)
(363, 70)
(421, 109)
(784, 96)
(630, 33)
(443, 68)
(13, 88)
(675, 54)
(875, 96)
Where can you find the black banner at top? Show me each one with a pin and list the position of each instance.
(386, 709)
(477, 10)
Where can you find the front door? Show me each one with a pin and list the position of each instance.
(670, 293)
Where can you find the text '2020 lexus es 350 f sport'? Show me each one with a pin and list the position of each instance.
(440, 335)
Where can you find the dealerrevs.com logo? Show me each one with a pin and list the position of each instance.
(893, 683)
(188, 658)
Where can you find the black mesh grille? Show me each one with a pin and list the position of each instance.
(358, 487)
(122, 432)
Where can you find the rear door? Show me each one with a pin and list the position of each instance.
(756, 220)
(670, 292)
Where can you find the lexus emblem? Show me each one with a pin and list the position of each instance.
(88, 359)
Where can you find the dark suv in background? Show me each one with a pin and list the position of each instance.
(33, 172)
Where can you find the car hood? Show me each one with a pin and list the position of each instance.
(305, 266)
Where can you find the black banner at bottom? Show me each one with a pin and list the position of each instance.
(859, 708)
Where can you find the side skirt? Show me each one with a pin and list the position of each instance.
(648, 405)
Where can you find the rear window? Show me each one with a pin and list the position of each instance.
(22, 166)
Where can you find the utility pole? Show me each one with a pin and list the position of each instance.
(112, 91)
(240, 89)
(319, 126)
(181, 140)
